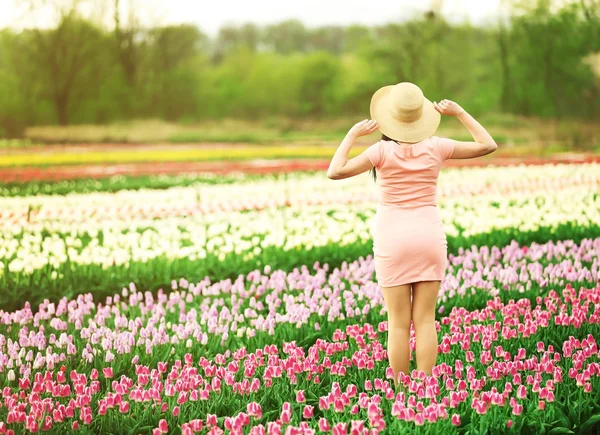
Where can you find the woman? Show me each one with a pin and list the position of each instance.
(409, 243)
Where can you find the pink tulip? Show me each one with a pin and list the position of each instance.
(456, 419)
(254, 409)
(53, 395)
(324, 425)
(163, 426)
(419, 419)
(182, 398)
(211, 419)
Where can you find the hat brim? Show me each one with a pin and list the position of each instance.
(415, 131)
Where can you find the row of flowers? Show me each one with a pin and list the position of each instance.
(72, 237)
(295, 190)
(264, 302)
(59, 242)
(86, 363)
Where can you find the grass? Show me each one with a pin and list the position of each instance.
(268, 131)
(15, 143)
(532, 134)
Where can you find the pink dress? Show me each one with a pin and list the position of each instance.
(409, 243)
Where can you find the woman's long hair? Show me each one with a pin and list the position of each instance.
(373, 170)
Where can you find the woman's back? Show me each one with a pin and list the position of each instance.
(409, 243)
(407, 174)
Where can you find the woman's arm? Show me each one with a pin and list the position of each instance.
(484, 143)
(340, 167)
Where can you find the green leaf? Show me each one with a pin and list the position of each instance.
(143, 429)
(573, 416)
(560, 414)
(590, 423)
(560, 430)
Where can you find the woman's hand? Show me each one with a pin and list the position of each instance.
(448, 108)
(340, 167)
(364, 128)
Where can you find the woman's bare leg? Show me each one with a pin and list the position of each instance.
(397, 301)
(425, 296)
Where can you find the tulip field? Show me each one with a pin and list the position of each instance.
(248, 304)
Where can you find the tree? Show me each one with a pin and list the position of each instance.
(328, 38)
(287, 37)
(13, 117)
(550, 75)
(503, 46)
(319, 76)
(358, 39)
(232, 37)
(127, 47)
(173, 61)
(65, 63)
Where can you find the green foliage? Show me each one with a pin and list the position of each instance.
(548, 76)
(122, 182)
(12, 106)
(80, 73)
(318, 79)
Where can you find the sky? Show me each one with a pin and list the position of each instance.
(211, 15)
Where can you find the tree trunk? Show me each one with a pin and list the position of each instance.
(126, 49)
(61, 103)
(506, 83)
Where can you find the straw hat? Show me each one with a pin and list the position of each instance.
(403, 113)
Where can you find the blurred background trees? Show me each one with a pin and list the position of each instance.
(539, 61)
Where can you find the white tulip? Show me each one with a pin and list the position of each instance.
(149, 224)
